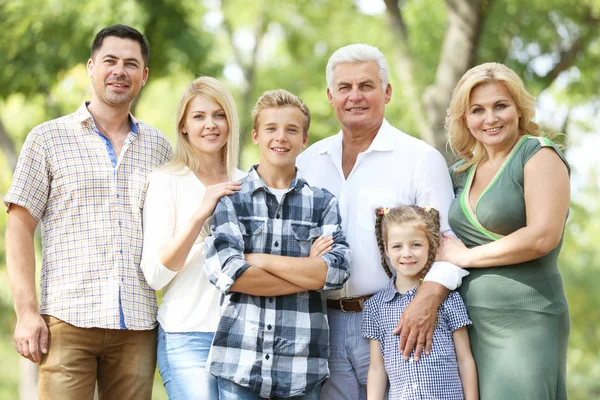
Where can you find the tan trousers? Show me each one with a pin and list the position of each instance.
(123, 362)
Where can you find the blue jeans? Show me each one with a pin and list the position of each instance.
(348, 357)
(229, 390)
(182, 365)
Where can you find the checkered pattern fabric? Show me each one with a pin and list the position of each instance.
(91, 219)
(435, 376)
(276, 346)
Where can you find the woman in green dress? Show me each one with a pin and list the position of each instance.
(512, 199)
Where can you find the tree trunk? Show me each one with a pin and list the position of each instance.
(8, 147)
(28, 380)
(459, 53)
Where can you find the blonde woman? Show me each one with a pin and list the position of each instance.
(181, 198)
(512, 199)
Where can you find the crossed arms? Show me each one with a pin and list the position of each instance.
(230, 270)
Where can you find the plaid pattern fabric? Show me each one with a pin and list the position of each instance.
(276, 346)
(435, 376)
(91, 219)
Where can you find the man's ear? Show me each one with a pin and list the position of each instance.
(254, 136)
(330, 97)
(305, 140)
(90, 67)
(388, 93)
(145, 76)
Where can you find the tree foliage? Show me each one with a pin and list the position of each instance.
(254, 46)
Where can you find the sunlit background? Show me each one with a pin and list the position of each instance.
(257, 45)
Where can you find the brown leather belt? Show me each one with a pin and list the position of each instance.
(354, 304)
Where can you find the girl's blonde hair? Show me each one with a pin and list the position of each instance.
(426, 219)
(462, 142)
(185, 155)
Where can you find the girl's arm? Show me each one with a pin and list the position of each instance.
(377, 379)
(546, 191)
(466, 363)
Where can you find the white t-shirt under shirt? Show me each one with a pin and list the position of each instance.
(396, 169)
(190, 303)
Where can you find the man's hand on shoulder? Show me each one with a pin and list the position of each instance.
(31, 336)
(419, 319)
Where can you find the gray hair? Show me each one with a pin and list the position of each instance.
(357, 53)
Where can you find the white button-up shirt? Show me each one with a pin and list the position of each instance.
(396, 169)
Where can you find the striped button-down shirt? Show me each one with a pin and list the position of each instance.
(435, 376)
(276, 346)
(91, 219)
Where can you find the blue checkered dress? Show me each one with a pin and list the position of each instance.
(435, 376)
(276, 346)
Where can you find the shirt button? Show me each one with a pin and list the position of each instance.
(269, 327)
(277, 216)
(276, 244)
(415, 386)
(117, 195)
(119, 223)
(267, 357)
(121, 251)
(270, 299)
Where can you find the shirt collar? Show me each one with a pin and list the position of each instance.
(390, 291)
(256, 182)
(383, 141)
(83, 115)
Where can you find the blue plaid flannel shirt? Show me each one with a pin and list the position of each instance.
(275, 346)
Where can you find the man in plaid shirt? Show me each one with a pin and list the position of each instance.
(83, 178)
(273, 336)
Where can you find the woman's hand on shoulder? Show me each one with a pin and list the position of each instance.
(213, 194)
(453, 251)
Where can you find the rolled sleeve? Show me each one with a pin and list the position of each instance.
(225, 248)
(30, 186)
(371, 326)
(446, 274)
(339, 257)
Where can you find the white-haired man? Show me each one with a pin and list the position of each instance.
(371, 164)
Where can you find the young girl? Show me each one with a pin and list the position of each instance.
(410, 236)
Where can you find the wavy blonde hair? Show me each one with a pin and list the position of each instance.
(185, 154)
(462, 142)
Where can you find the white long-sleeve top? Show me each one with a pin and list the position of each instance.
(190, 303)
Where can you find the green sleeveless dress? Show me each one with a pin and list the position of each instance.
(519, 312)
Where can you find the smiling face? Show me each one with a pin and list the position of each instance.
(408, 250)
(357, 95)
(205, 125)
(493, 116)
(280, 136)
(117, 71)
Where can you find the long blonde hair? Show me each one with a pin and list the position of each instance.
(185, 155)
(462, 142)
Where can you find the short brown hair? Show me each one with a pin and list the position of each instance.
(279, 98)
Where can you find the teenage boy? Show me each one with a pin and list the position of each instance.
(273, 337)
